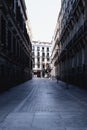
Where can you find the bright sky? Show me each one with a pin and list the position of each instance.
(43, 16)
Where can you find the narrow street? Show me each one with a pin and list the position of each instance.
(43, 104)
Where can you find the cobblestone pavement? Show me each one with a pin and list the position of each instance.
(43, 104)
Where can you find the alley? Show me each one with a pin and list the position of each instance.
(43, 104)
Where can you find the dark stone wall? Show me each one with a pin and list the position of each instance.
(15, 46)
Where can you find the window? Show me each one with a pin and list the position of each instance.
(10, 2)
(33, 48)
(47, 54)
(43, 54)
(43, 66)
(33, 54)
(42, 48)
(85, 54)
(33, 60)
(48, 59)
(33, 65)
(38, 65)
(38, 53)
(14, 44)
(42, 59)
(9, 40)
(3, 31)
(18, 48)
(38, 48)
(47, 48)
(38, 59)
(2, 70)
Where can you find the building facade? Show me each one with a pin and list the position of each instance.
(15, 44)
(41, 52)
(72, 42)
(54, 60)
(56, 49)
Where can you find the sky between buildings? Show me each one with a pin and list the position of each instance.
(43, 16)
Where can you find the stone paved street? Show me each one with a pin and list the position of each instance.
(43, 104)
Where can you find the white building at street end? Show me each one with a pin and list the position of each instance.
(41, 53)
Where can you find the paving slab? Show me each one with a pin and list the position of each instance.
(18, 120)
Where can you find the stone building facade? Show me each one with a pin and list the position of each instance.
(71, 38)
(54, 57)
(15, 44)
